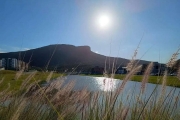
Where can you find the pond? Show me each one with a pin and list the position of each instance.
(109, 84)
(132, 88)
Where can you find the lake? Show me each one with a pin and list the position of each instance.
(108, 84)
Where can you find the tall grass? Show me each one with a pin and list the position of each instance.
(56, 101)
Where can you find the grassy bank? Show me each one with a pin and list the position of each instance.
(10, 77)
(171, 80)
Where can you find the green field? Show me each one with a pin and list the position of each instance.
(9, 77)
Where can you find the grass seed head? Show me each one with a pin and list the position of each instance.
(146, 76)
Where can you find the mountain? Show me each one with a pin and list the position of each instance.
(64, 56)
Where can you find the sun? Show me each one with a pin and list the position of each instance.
(103, 21)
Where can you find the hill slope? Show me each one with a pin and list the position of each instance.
(65, 56)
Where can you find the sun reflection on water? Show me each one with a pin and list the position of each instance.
(106, 84)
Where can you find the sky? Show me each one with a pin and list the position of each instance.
(28, 24)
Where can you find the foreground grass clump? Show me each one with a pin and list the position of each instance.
(57, 101)
(29, 100)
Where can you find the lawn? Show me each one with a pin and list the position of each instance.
(9, 77)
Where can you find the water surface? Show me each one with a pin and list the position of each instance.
(108, 84)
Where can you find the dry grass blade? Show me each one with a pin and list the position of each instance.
(2, 93)
(49, 76)
(68, 88)
(173, 59)
(55, 85)
(18, 111)
(128, 77)
(95, 97)
(178, 74)
(1, 81)
(131, 64)
(51, 57)
(26, 81)
(146, 76)
(124, 113)
(44, 95)
(164, 82)
(19, 73)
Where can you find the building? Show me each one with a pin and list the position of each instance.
(13, 64)
(10, 63)
(3, 63)
(158, 68)
(97, 70)
(121, 70)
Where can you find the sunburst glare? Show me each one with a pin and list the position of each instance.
(104, 21)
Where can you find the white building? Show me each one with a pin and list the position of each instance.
(3, 63)
(13, 63)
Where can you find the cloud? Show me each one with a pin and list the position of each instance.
(6, 48)
(1, 50)
(25, 48)
(18, 48)
(95, 52)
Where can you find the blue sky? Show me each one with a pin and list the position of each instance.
(27, 24)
